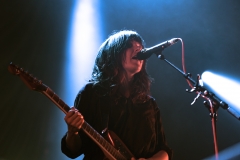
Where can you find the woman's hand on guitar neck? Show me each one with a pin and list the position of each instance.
(74, 121)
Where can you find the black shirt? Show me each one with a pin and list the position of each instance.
(137, 125)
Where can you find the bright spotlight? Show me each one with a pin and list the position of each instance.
(84, 41)
(82, 46)
(225, 87)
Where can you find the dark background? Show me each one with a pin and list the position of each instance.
(33, 34)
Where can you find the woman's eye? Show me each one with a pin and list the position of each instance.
(129, 45)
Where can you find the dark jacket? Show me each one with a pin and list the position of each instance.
(137, 125)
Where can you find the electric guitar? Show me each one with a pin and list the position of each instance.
(113, 149)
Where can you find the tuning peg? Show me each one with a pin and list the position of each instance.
(37, 81)
(16, 66)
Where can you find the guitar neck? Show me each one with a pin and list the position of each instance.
(92, 133)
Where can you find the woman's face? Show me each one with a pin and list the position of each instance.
(132, 66)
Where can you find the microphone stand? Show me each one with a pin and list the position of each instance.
(214, 101)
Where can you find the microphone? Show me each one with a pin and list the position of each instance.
(147, 52)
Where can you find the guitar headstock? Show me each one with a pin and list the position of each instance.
(32, 82)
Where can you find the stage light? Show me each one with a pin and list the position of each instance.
(84, 40)
(82, 46)
(228, 153)
(226, 87)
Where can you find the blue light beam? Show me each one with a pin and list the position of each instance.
(82, 46)
(85, 38)
(226, 87)
(228, 153)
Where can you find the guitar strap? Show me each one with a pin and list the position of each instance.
(105, 111)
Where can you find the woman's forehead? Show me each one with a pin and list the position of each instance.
(136, 43)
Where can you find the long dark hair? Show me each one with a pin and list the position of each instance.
(109, 72)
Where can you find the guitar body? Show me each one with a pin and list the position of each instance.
(113, 148)
(117, 143)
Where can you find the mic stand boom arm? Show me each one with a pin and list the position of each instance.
(204, 92)
(214, 101)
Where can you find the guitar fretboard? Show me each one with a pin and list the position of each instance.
(92, 133)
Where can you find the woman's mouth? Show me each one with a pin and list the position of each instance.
(134, 57)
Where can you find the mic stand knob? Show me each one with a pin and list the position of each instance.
(196, 88)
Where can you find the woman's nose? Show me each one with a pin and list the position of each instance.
(138, 48)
